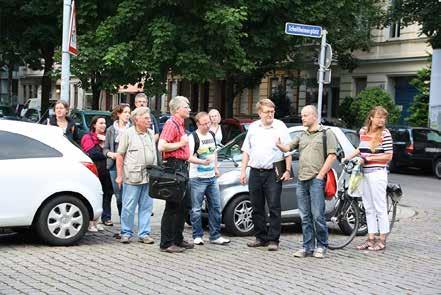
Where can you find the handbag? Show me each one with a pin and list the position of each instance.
(166, 184)
(331, 175)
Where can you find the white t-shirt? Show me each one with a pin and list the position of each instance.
(260, 143)
(206, 150)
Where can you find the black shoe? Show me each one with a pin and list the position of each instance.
(173, 249)
(257, 243)
(186, 245)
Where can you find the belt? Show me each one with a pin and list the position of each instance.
(262, 169)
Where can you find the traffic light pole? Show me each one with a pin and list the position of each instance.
(65, 60)
(321, 74)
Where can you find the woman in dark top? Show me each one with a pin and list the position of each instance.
(92, 144)
(121, 117)
(62, 120)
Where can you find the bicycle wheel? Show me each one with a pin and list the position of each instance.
(343, 225)
(391, 211)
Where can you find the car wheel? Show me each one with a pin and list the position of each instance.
(437, 168)
(238, 216)
(62, 221)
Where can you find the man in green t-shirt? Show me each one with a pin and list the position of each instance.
(313, 166)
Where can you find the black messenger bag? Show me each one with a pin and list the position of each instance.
(166, 184)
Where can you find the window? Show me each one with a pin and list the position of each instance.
(353, 138)
(360, 84)
(400, 135)
(420, 135)
(17, 146)
(394, 30)
(434, 136)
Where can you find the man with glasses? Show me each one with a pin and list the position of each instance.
(203, 181)
(260, 153)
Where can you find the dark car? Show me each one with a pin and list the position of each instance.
(232, 127)
(82, 119)
(7, 113)
(190, 123)
(416, 147)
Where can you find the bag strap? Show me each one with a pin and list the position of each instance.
(325, 144)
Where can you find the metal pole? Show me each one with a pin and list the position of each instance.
(321, 73)
(65, 61)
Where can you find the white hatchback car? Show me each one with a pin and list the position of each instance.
(46, 183)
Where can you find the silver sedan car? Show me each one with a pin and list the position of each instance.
(235, 201)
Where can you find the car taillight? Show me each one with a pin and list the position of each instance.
(409, 149)
(91, 167)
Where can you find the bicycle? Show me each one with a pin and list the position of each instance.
(344, 220)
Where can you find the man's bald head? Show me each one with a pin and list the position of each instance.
(309, 116)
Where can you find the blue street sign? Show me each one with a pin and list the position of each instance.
(303, 30)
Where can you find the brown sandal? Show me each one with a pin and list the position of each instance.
(379, 246)
(366, 244)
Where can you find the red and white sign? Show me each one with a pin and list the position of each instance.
(73, 49)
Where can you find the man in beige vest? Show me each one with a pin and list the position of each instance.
(136, 150)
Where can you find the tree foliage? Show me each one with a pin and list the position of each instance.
(419, 109)
(424, 12)
(360, 106)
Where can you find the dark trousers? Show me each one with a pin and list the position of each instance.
(263, 188)
(173, 218)
(106, 185)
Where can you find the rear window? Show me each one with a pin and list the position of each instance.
(400, 135)
(17, 146)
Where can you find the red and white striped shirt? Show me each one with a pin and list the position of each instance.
(384, 147)
(172, 132)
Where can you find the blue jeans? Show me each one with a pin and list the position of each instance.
(311, 201)
(133, 195)
(208, 187)
(116, 190)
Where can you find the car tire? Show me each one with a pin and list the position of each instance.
(238, 216)
(62, 221)
(437, 168)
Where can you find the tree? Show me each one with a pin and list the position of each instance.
(369, 98)
(419, 110)
(424, 12)
(238, 41)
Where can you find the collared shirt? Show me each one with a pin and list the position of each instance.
(140, 151)
(260, 143)
(172, 132)
(310, 146)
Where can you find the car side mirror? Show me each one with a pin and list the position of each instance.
(340, 154)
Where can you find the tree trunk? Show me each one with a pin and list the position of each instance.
(46, 82)
(229, 98)
(10, 71)
(95, 95)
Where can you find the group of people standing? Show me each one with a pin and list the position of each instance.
(123, 152)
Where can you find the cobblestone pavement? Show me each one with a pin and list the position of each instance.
(100, 264)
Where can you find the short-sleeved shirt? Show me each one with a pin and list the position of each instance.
(310, 146)
(260, 143)
(139, 150)
(206, 150)
(172, 132)
(384, 146)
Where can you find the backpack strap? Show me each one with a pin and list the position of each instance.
(325, 144)
(196, 142)
(214, 137)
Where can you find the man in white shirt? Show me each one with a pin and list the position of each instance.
(260, 153)
(203, 181)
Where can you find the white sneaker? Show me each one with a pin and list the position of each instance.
(99, 227)
(198, 241)
(220, 241)
(92, 228)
